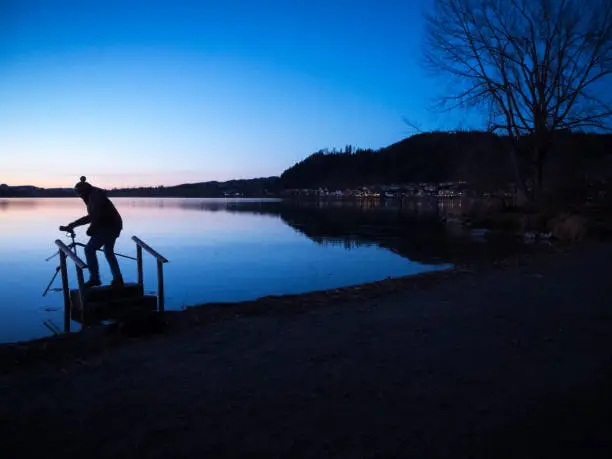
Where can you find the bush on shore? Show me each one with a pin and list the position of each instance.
(570, 224)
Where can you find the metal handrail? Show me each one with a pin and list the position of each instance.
(65, 253)
(153, 252)
(70, 254)
(160, 270)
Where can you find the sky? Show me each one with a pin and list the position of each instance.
(147, 93)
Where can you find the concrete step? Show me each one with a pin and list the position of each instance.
(108, 293)
(115, 309)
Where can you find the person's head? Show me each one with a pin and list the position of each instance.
(83, 188)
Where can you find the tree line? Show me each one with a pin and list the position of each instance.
(486, 161)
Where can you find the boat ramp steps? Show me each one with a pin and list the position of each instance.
(106, 303)
(88, 306)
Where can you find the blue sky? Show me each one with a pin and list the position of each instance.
(166, 92)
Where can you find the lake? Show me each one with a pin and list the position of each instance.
(223, 250)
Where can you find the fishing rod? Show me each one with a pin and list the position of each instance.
(73, 246)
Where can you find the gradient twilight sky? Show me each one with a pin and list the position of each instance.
(131, 92)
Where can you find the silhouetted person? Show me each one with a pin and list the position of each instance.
(104, 229)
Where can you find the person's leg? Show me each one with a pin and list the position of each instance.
(109, 251)
(95, 242)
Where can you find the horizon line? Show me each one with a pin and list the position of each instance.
(142, 186)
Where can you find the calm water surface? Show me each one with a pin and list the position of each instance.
(219, 251)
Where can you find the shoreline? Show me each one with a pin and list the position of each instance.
(100, 338)
(498, 361)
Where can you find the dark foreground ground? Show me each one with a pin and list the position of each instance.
(512, 362)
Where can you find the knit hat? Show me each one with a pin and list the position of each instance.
(82, 187)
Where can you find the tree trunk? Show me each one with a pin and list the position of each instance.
(539, 176)
(522, 197)
(539, 185)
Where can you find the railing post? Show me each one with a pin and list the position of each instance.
(66, 290)
(82, 295)
(139, 265)
(160, 286)
(160, 270)
(66, 253)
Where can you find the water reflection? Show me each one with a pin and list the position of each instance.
(234, 249)
(422, 230)
(17, 204)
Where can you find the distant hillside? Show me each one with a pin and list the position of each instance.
(34, 192)
(259, 187)
(431, 157)
(479, 158)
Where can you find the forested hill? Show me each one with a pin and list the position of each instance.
(482, 159)
(431, 157)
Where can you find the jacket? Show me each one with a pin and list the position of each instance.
(101, 214)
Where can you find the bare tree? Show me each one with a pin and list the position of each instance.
(535, 66)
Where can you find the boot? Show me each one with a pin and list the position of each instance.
(117, 282)
(92, 283)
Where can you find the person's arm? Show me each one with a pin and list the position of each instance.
(71, 226)
(81, 221)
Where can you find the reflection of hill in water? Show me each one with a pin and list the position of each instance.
(207, 204)
(416, 233)
(17, 204)
(413, 230)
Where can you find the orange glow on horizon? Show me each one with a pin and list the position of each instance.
(103, 182)
(110, 181)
